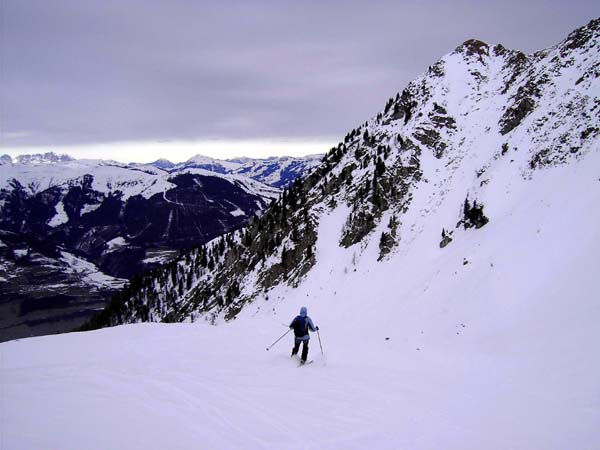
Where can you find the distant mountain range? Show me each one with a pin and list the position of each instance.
(72, 231)
(278, 172)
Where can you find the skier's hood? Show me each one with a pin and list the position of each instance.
(303, 311)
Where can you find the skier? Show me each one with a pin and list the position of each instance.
(301, 324)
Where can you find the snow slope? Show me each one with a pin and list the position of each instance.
(497, 353)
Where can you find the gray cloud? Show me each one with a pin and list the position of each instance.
(99, 71)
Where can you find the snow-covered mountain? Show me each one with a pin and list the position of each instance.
(446, 155)
(115, 220)
(447, 250)
(207, 163)
(279, 172)
(5, 159)
(163, 163)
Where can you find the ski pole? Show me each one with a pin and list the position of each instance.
(322, 354)
(278, 339)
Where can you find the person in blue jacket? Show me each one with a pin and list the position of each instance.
(301, 325)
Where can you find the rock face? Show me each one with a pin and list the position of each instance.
(43, 158)
(479, 121)
(74, 231)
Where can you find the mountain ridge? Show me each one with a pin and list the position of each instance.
(275, 171)
(476, 112)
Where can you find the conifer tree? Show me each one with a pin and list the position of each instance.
(379, 167)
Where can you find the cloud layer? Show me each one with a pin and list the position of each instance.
(81, 72)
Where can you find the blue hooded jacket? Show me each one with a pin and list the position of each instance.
(308, 321)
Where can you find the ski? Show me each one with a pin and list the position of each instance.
(306, 363)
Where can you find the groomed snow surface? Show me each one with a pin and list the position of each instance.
(493, 344)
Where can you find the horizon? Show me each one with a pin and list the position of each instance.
(180, 151)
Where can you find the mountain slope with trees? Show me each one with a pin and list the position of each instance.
(444, 151)
(72, 232)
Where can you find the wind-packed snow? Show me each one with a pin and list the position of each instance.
(489, 343)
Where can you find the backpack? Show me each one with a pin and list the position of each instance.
(300, 326)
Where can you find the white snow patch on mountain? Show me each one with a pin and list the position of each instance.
(21, 252)
(115, 244)
(237, 212)
(60, 217)
(159, 257)
(89, 273)
(88, 208)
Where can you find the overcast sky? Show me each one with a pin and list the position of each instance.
(231, 78)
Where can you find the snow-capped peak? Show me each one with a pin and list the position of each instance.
(208, 163)
(163, 163)
(240, 160)
(5, 159)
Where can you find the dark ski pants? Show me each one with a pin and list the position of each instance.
(297, 343)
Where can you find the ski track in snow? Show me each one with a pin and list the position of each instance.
(171, 201)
